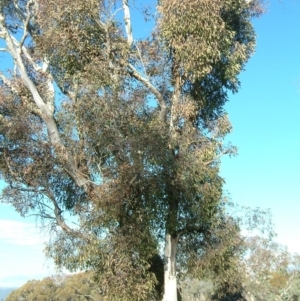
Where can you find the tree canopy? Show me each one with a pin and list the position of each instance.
(114, 140)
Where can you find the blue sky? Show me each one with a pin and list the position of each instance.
(266, 124)
(266, 128)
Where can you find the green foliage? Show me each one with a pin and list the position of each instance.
(210, 51)
(220, 32)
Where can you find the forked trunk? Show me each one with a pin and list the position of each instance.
(170, 280)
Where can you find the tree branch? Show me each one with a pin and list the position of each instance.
(138, 49)
(15, 91)
(15, 52)
(29, 3)
(46, 111)
(227, 151)
(163, 108)
(22, 15)
(58, 217)
(60, 220)
(48, 216)
(35, 66)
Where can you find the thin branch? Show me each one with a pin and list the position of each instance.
(22, 15)
(138, 49)
(26, 23)
(35, 66)
(31, 190)
(227, 151)
(114, 14)
(48, 216)
(60, 220)
(163, 108)
(127, 21)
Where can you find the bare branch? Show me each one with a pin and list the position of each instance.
(227, 151)
(114, 14)
(138, 49)
(35, 66)
(60, 220)
(44, 205)
(58, 215)
(48, 216)
(22, 15)
(34, 190)
(163, 108)
(26, 22)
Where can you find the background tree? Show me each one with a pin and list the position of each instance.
(130, 148)
(272, 273)
(43, 290)
(58, 288)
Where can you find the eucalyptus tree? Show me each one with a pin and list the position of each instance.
(272, 273)
(114, 139)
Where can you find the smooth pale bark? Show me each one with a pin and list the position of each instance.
(44, 107)
(170, 280)
(127, 22)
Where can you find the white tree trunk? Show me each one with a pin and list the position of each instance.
(127, 22)
(170, 280)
